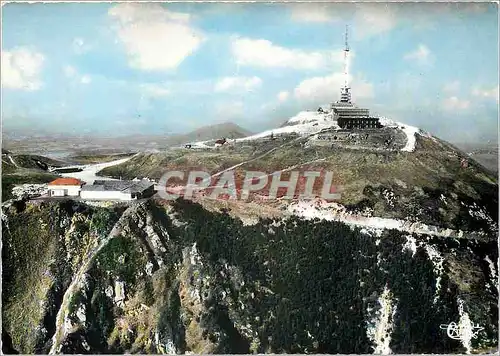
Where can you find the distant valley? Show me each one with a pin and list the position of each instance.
(411, 246)
(67, 147)
(484, 153)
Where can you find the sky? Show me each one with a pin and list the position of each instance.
(114, 69)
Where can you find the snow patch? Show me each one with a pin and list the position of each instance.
(410, 131)
(304, 123)
(119, 293)
(319, 208)
(29, 190)
(85, 345)
(200, 144)
(389, 197)
(195, 257)
(493, 271)
(372, 232)
(80, 314)
(101, 204)
(305, 117)
(410, 244)
(437, 261)
(411, 140)
(380, 329)
(13, 162)
(480, 213)
(149, 268)
(109, 291)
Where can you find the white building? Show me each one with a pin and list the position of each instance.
(62, 187)
(117, 190)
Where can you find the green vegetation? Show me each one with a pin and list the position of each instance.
(27, 169)
(294, 279)
(10, 180)
(315, 270)
(41, 241)
(28, 248)
(74, 303)
(103, 220)
(290, 286)
(7, 166)
(35, 161)
(155, 165)
(98, 158)
(122, 257)
(433, 167)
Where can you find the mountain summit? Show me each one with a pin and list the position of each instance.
(409, 248)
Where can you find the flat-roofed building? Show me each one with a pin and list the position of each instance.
(62, 187)
(350, 117)
(117, 190)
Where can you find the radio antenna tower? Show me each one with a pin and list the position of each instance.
(345, 94)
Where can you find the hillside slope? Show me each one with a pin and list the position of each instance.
(173, 278)
(410, 247)
(427, 185)
(25, 169)
(209, 132)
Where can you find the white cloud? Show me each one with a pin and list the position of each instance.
(263, 53)
(369, 19)
(454, 103)
(80, 46)
(157, 89)
(85, 79)
(154, 37)
(373, 19)
(72, 73)
(327, 88)
(21, 69)
(452, 87)
(238, 84)
(154, 90)
(421, 55)
(486, 93)
(69, 71)
(313, 12)
(283, 96)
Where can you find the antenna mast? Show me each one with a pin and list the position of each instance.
(346, 54)
(345, 95)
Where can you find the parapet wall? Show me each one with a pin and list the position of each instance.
(384, 138)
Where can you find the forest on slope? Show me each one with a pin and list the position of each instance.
(179, 278)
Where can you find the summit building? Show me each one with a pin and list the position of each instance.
(347, 115)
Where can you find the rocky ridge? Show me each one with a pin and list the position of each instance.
(176, 278)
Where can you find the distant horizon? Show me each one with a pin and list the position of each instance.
(72, 135)
(107, 135)
(121, 69)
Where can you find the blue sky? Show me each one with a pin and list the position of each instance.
(160, 68)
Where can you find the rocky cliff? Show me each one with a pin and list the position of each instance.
(157, 277)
